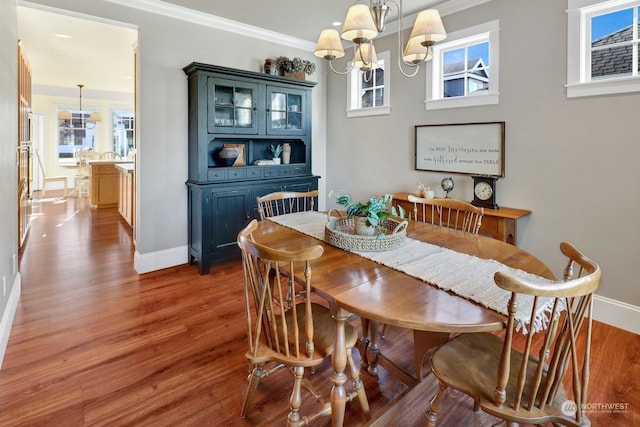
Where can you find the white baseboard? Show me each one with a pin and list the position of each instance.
(617, 313)
(144, 263)
(7, 316)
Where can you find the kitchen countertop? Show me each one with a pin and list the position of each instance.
(127, 167)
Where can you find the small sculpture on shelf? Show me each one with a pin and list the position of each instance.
(425, 191)
(447, 186)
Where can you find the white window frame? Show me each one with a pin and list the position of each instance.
(74, 110)
(354, 100)
(487, 32)
(112, 112)
(579, 81)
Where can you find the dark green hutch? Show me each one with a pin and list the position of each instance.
(255, 111)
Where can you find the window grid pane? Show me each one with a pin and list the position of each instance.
(74, 135)
(123, 136)
(614, 44)
(466, 70)
(372, 88)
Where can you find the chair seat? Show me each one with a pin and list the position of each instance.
(324, 332)
(470, 362)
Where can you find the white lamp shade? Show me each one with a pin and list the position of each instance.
(359, 26)
(95, 117)
(415, 53)
(428, 28)
(64, 115)
(365, 57)
(329, 45)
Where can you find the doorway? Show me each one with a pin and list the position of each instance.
(66, 49)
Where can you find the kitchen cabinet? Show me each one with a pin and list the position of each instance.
(126, 194)
(104, 186)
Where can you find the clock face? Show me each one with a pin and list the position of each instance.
(483, 191)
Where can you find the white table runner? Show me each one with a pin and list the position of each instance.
(465, 275)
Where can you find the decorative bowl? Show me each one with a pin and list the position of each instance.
(227, 156)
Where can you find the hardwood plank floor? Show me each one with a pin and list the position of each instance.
(93, 343)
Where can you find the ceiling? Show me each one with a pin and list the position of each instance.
(100, 55)
(301, 19)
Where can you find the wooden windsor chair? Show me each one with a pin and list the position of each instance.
(528, 386)
(296, 336)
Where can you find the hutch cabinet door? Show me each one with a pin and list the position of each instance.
(286, 111)
(231, 212)
(233, 106)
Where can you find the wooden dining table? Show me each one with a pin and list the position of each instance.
(354, 284)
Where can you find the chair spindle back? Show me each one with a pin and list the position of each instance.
(273, 326)
(449, 213)
(540, 375)
(284, 202)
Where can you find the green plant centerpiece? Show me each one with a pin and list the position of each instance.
(367, 216)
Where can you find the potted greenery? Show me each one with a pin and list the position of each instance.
(296, 67)
(366, 216)
(275, 151)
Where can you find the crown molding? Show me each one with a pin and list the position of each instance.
(212, 21)
(453, 6)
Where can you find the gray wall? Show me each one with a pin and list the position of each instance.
(572, 162)
(8, 143)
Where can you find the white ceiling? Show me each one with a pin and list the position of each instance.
(100, 55)
(301, 19)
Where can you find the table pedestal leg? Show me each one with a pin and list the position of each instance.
(364, 343)
(339, 362)
(423, 341)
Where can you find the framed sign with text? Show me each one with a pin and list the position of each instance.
(466, 148)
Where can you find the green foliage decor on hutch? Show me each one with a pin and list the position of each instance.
(254, 110)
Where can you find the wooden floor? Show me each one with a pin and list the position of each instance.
(93, 343)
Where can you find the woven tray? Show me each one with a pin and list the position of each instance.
(339, 232)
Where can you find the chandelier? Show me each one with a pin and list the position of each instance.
(363, 23)
(94, 117)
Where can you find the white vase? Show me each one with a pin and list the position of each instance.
(361, 226)
(276, 160)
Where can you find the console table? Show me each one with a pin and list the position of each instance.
(497, 223)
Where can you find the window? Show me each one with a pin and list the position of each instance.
(368, 92)
(602, 47)
(464, 70)
(74, 135)
(123, 142)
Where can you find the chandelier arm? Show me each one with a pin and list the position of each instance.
(349, 68)
(417, 68)
(401, 45)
